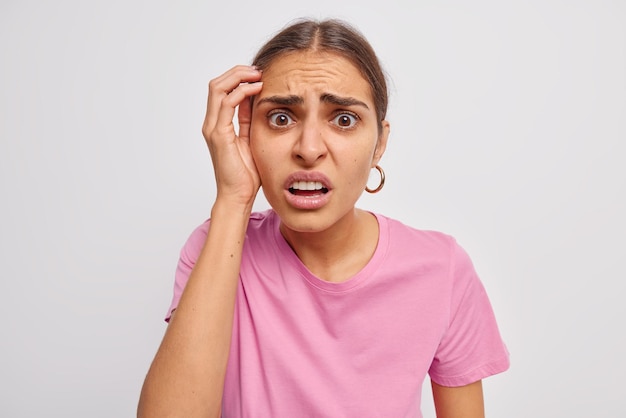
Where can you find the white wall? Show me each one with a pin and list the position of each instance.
(508, 130)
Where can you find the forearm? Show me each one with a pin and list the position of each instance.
(186, 377)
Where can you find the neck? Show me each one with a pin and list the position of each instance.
(339, 252)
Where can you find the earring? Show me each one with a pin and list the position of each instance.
(382, 181)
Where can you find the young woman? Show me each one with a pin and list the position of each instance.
(315, 308)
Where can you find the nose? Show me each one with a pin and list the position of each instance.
(310, 146)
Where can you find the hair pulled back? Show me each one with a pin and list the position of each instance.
(330, 35)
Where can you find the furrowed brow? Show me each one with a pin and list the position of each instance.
(282, 100)
(341, 101)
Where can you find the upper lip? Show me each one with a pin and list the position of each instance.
(308, 176)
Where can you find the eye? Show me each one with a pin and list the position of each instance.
(280, 119)
(345, 120)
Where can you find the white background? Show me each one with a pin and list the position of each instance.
(508, 130)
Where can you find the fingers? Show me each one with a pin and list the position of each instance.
(235, 173)
(244, 117)
(237, 97)
(226, 92)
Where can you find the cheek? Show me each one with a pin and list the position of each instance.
(263, 161)
(259, 155)
(257, 148)
(358, 172)
(362, 168)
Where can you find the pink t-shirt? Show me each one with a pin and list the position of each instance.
(304, 347)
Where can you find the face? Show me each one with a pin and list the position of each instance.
(314, 138)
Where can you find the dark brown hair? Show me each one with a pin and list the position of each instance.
(331, 35)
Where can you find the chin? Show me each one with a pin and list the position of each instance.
(310, 221)
(304, 221)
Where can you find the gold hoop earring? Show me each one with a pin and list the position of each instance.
(382, 181)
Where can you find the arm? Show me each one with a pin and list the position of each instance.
(186, 378)
(459, 402)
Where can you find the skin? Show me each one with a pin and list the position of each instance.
(186, 378)
(328, 129)
(459, 402)
(318, 133)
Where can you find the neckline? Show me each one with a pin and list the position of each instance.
(332, 287)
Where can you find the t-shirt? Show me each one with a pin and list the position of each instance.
(305, 347)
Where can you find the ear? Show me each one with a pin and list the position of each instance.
(381, 144)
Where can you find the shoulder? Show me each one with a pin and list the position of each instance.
(403, 237)
(262, 220)
(426, 247)
(259, 221)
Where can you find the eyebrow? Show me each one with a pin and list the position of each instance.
(282, 100)
(293, 100)
(341, 101)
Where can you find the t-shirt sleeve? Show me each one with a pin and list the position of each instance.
(471, 347)
(187, 259)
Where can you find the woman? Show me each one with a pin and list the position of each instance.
(315, 308)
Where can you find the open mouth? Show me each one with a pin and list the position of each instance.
(307, 188)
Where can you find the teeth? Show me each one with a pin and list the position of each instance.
(307, 185)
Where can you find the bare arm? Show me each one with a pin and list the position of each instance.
(459, 402)
(187, 374)
(186, 378)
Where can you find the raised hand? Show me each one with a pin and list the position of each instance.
(235, 173)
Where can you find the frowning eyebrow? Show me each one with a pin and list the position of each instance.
(282, 100)
(341, 101)
(293, 100)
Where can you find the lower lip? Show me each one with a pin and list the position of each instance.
(307, 202)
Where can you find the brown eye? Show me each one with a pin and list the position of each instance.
(345, 120)
(280, 119)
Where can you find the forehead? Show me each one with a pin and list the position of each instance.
(308, 72)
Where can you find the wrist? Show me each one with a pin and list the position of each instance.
(231, 209)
